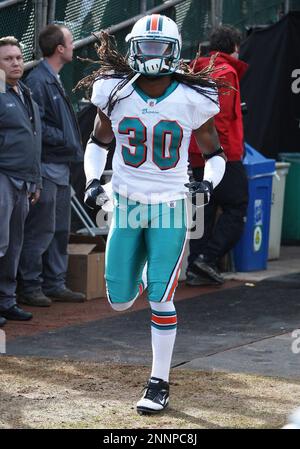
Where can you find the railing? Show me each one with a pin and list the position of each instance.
(45, 13)
(196, 18)
(8, 3)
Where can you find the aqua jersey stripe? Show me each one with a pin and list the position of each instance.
(160, 24)
(169, 90)
(148, 24)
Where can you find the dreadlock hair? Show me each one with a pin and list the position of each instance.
(114, 65)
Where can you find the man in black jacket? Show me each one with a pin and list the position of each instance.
(43, 263)
(20, 171)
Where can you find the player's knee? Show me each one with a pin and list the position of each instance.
(120, 296)
(120, 306)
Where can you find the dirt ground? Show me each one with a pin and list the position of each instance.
(44, 393)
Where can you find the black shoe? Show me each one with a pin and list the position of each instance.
(2, 321)
(35, 298)
(155, 398)
(66, 295)
(209, 269)
(196, 280)
(16, 314)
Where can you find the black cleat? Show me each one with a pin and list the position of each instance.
(155, 398)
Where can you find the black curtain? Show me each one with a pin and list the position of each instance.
(271, 87)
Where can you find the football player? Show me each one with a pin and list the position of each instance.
(151, 103)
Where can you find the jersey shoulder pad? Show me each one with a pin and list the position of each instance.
(205, 104)
(206, 92)
(102, 89)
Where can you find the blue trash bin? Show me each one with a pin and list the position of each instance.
(251, 252)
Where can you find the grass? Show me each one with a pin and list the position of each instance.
(44, 393)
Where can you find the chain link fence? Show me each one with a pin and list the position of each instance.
(18, 20)
(195, 19)
(245, 14)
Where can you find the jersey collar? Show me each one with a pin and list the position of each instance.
(170, 89)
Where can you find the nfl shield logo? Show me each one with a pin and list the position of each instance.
(151, 103)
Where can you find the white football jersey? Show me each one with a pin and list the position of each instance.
(152, 138)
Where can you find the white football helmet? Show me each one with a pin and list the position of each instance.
(154, 46)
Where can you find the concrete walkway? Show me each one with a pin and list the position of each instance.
(288, 263)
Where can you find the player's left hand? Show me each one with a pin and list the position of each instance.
(205, 187)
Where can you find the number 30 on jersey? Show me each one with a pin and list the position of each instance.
(166, 141)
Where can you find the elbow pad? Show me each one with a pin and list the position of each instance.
(214, 170)
(94, 161)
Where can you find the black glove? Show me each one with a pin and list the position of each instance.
(205, 187)
(95, 195)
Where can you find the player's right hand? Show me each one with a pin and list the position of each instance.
(95, 196)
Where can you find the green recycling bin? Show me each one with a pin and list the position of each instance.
(291, 211)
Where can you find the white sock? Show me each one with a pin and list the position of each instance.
(163, 333)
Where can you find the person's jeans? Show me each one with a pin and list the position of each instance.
(44, 259)
(14, 208)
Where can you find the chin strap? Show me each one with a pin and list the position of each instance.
(154, 67)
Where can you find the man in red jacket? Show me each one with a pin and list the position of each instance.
(231, 195)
